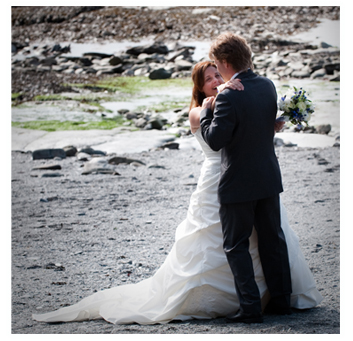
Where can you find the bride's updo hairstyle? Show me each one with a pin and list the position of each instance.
(233, 49)
(198, 79)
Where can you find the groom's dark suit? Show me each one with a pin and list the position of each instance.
(242, 125)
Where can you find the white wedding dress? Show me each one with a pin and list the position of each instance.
(195, 280)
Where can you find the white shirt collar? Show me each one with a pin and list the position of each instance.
(236, 74)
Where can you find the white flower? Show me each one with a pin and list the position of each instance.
(281, 105)
(301, 106)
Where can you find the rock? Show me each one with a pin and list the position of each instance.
(155, 166)
(142, 71)
(99, 166)
(331, 67)
(300, 74)
(85, 61)
(141, 123)
(296, 66)
(70, 150)
(184, 52)
(318, 73)
(325, 45)
(316, 65)
(288, 71)
(157, 122)
(282, 62)
(97, 55)
(145, 57)
(289, 144)
(48, 153)
(51, 175)
(309, 130)
(46, 167)
(156, 48)
(182, 65)
(322, 161)
(335, 77)
(160, 73)
(170, 145)
(135, 51)
(115, 60)
(277, 142)
(55, 267)
(91, 151)
(116, 160)
(83, 157)
(49, 61)
(131, 116)
(323, 128)
(149, 49)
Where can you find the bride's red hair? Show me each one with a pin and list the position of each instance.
(198, 79)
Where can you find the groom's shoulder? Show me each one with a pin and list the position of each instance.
(264, 80)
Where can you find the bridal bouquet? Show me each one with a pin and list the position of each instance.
(296, 107)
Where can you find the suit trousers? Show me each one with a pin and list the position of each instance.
(238, 220)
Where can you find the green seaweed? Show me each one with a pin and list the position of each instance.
(133, 85)
(56, 125)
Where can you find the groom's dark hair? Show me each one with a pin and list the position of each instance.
(233, 49)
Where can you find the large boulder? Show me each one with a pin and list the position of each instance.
(48, 153)
(160, 73)
(148, 49)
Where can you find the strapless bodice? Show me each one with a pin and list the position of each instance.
(209, 153)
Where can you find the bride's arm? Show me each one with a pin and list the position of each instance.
(194, 114)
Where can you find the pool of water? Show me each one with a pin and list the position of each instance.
(327, 31)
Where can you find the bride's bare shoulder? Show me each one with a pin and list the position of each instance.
(194, 118)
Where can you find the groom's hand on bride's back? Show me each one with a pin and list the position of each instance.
(234, 84)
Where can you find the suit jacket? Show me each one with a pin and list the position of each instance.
(242, 125)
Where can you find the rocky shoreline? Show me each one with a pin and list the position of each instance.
(159, 61)
(267, 29)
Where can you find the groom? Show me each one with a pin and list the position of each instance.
(242, 125)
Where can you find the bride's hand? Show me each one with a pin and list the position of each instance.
(279, 124)
(207, 102)
(234, 84)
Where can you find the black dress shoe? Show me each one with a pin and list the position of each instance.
(273, 309)
(241, 317)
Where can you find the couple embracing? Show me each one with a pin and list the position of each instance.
(235, 254)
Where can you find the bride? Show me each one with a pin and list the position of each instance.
(195, 280)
